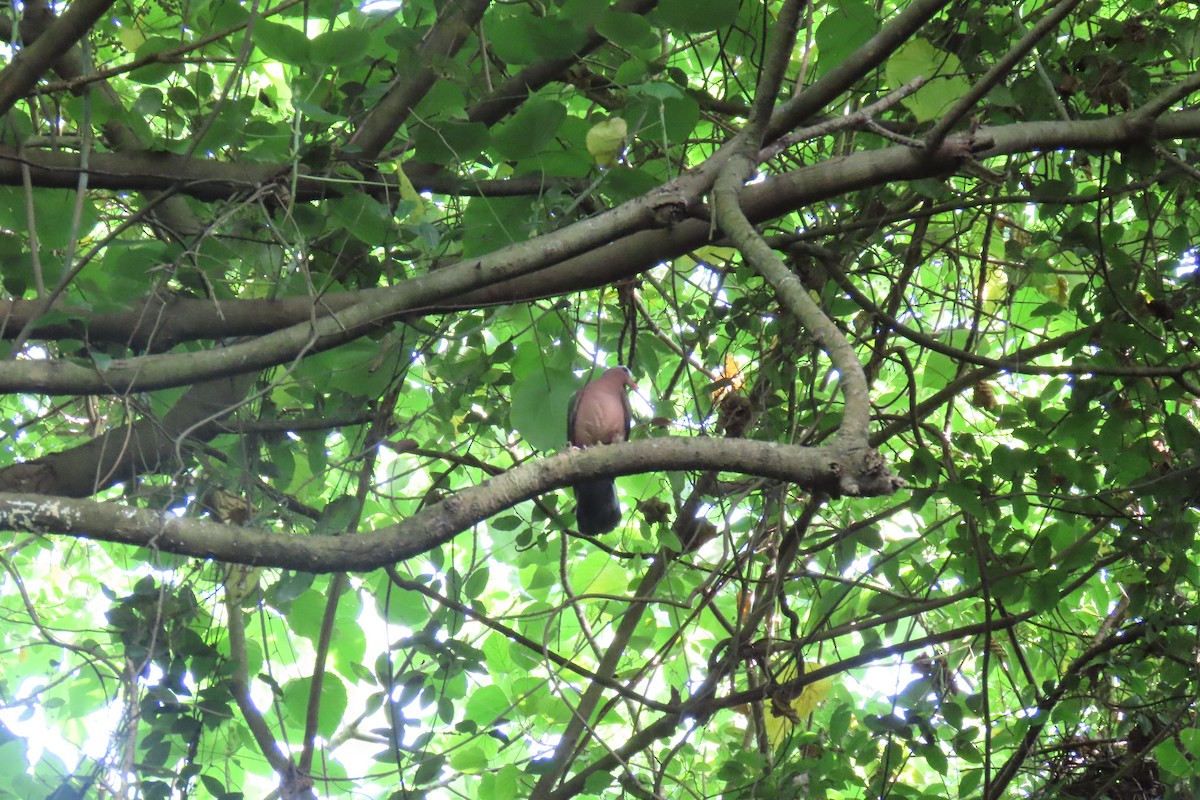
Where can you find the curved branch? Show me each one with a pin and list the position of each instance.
(856, 420)
(837, 471)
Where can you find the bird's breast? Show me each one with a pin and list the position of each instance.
(599, 420)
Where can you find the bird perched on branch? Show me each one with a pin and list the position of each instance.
(599, 413)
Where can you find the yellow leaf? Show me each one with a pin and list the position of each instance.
(240, 581)
(606, 141)
(1059, 291)
(780, 719)
(731, 380)
(131, 37)
(713, 254)
(995, 289)
(409, 192)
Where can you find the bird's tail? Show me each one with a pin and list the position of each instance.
(596, 506)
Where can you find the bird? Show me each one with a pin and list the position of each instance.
(599, 413)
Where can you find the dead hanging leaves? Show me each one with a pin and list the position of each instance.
(734, 413)
(984, 396)
(730, 380)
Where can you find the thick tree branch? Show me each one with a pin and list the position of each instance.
(171, 320)
(837, 471)
(208, 179)
(148, 445)
(162, 371)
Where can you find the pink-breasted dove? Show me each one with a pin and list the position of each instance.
(599, 413)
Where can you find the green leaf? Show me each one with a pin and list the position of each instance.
(942, 70)
(632, 31)
(1171, 760)
(522, 38)
(667, 121)
(476, 582)
(476, 757)
(367, 219)
(848, 25)
(492, 222)
(306, 614)
(1191, 742)
(450, 142)
(530, 129)
(337, 516)
(486, 705)
(340, 47)
(155, 72)
(695, 16)
(331, 708)
(539, 407)
(940, 368)
(936, 759)
(55, 213)
(281, 42)
(600, 574)
(408, 609)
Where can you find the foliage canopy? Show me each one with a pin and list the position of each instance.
(294, 298)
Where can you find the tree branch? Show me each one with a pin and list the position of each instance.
(837, 471)
(443, 41)
(856, 419)
(507, 96)
(32, 61)
(1041, 718)
(162, 371)
(169, 320)
(800, 108)
(999, 70)
(149, 445)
